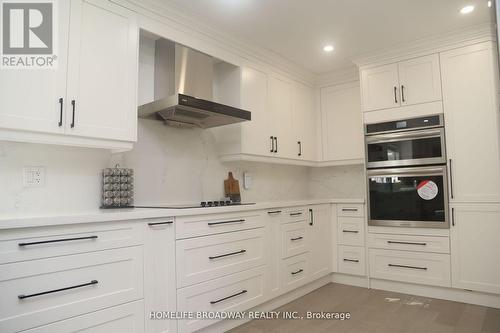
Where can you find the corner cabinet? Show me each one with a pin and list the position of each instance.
(89, 100)
(409, 82)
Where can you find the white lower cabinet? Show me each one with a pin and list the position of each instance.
(351, 260)
(126, 318)
(412, 267)
(236, 292)
(437, 244)
(294, 272)
(320, 236)
(294, 239)
(475, 247)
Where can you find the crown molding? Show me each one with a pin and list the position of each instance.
(175, 19)
(458, 38)
(340, 76)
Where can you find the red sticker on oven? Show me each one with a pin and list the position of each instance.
(427, 189)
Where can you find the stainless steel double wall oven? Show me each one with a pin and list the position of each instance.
(406, 173)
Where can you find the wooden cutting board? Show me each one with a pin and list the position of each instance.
(232, 188)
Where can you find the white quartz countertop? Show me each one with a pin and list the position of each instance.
(104, 215)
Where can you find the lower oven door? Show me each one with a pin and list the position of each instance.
(408, 197)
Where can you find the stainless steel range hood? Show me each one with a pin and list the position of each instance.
(184, 90)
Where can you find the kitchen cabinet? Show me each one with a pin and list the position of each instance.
(281, 118)
(409, 82)
(470, 96)
(350, 244)
(475, 248)
(304, 119)
(77, 101)
(320, 238)
(342, 125)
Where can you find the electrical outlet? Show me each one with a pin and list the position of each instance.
(34, 176)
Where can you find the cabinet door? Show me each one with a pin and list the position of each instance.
(342, 123)
(470, 88)
(304, 120)
(380, 87)
(420, 80)
(475, 248)
(280, 110)
(321, 241)
(159, 273)
(29, 98)
(255, 133)
(102, 72)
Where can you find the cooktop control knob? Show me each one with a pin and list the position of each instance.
(203, 204)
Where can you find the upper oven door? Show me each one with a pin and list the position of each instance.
(408, 197)
(418, 147)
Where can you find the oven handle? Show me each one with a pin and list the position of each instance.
(420, 134)
(426, 171)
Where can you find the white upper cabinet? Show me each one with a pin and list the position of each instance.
(409, 82)
(342, 127)
(304, 122)
(420, 80)
(255, 133)
(280, 117)
(31, 99)
(475, 248)
(102, 75)
(380, 86)
(470, 97)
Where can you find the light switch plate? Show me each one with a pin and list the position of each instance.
(34, 176)
(247, 180)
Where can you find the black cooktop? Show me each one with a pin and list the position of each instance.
(203, 204)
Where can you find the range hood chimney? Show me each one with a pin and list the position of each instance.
(184, 90)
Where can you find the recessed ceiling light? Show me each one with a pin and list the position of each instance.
(489, 4)
(328, 48)
(467, 9)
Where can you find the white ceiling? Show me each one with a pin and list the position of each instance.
(298, 29)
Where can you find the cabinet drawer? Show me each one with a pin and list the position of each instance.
(294, 272)
(36, 243)
(410, 243)
(413, 267)
(205, 258)
(236, 292)
(295, 214)
(42, 291)
(356, 210)
(351, 231)
(352, 260)
(202, 225)
(294, 239)
(126, 318)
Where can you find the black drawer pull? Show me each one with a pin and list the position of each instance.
(297, 272)
(228, 297)
(351, 260)
(411, 267)
(61, 102)
(274, 212)
(227, 254)
(349, 209)
(406, 243)
(296, 214)
(57, 240)
(226, 222)
(351, 231)
(58, 290)
(152, 224)
(296, 238)
(73, 105)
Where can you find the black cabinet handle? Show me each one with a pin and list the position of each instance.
(351, 260)
(296, 214)
(453, 216)
(300, 148)
(349, 209)
(275, 144)
(406, 243)
(396, 95)
(402, 93)
(152, 224)
(272, 144)
(228, 297)
(73, 105)
(312, 216)
(297, 272)
(57, 240)
(351, 231)
(274, 212)
(226, 222)
(227, 254)
(58, 290)
(61, 102)
(451, 179)
(296, 238)
(410, 267)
